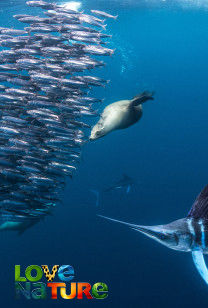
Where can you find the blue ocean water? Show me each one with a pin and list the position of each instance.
(161, 48)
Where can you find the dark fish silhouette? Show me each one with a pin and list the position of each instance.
(126, 182)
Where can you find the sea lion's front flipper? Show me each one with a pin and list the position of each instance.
(200, 264)
(142, 98)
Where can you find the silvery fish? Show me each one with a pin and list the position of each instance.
(75, 27)
(63, 16)
(8, 67)
(87, 34)
(42, 4)
(27, 63)
(103, 14)
(7, 53)
(42, 28)
(85, 39)
(8, 130)
(90, 20)
(98, 50)
(18, 81)
(2, 88)
(91, 17)
(18, 16)
(64, 10)
(93, 62)
(20, 92)
(27, 51)
(35, 20)
(8, 31)
(55, 51)
(49, 39)
(13, 119)
(13, 43)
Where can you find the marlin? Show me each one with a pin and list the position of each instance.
(189, 234)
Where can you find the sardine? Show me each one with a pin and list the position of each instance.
(85, 39)
(90, 20)
(27, 51)
(12, 43)
(44, 5)
(98, 50)
(35, 20)
(103, 14)
(12, 32)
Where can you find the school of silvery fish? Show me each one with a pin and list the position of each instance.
(43, 98)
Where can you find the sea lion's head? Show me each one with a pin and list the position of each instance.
(97, 131)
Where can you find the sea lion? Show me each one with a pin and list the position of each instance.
(120, 115)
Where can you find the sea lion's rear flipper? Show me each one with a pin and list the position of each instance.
(142, 98)
(200, 264)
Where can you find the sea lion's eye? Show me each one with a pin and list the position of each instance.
(99, 132)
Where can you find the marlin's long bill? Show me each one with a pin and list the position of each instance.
(119, 221)
(150, 231)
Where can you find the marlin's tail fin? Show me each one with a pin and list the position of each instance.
(97, 194)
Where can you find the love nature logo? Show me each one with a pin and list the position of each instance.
(31, 286)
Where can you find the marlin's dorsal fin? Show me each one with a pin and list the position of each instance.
(200, 206)
(200, 264)
(141, 98)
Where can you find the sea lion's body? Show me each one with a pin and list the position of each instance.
(120, 115)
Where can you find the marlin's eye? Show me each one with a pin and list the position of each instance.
(176, 238)
(163, 237)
